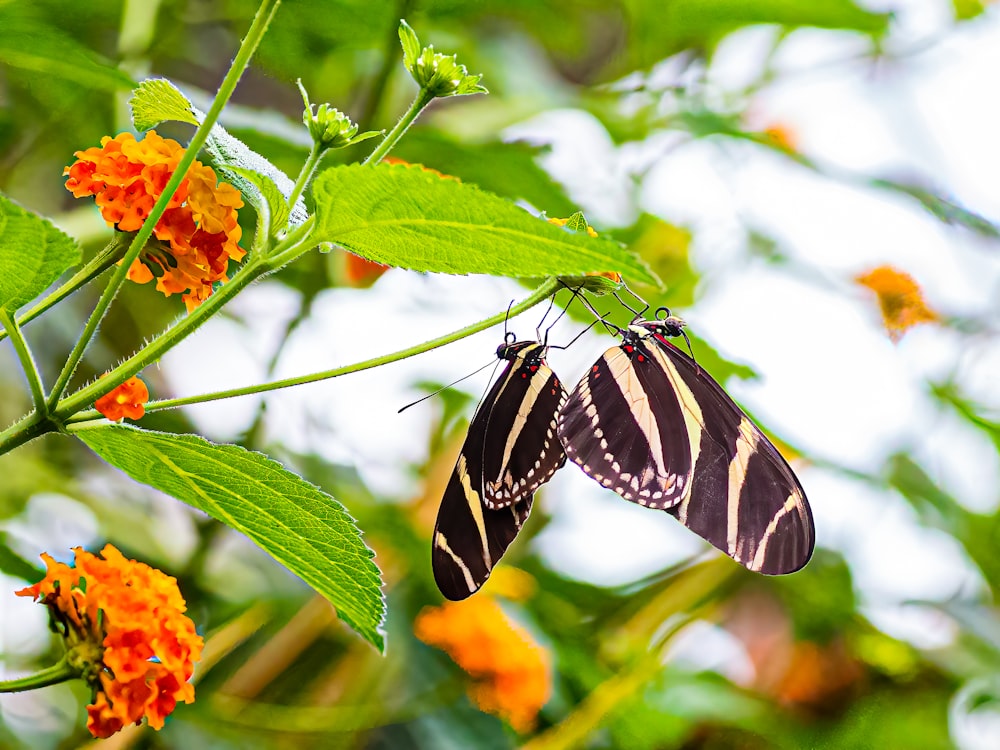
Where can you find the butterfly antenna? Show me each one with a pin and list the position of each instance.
(445, 387)
(506, 317)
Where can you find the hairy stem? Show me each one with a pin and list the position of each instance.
(546, 289)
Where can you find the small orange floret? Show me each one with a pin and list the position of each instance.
(126, 632)
(563, 222)
(124, 401)
(511, 672)
(900, 299)
(198, 232)
(781, 136)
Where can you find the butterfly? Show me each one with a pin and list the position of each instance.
(649, 423)
(511, 449)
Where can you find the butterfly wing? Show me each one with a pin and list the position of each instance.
(469, 538)
(625, 427)
(520, 449)
(744, 498)
(511, 449)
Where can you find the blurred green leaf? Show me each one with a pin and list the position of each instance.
(302, 527)
(507, 169)
(971, 412)
(14, 565)
(31, 45)
(35, 254)
(408, 217)
(978, 533)
(966, 10)
(820, 597)
(666, 248)
(661, 29)
(944, 209)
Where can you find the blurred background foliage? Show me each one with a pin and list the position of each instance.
(793, 662)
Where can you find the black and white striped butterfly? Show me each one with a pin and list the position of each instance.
(647, 422)
(511, 450)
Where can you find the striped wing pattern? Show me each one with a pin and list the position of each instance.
(744, 498)
(649, 423)
(626, 428)
(518, 422)
(510, 450)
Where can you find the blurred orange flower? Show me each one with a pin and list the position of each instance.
(126, 634)
(361, 272)
(899, 297)
(511, 672)
(124, 401)
(403, 163)
(781, 136)
(198, 232)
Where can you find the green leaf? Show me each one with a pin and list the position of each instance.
(302, 527)
(34, 255)
(942, 208)
(156, 100)
(507, 169)
(13, 564)
(31, 45)
(661, 29)
(410, 43)
(277, 205)
(408, 217)
(966, 10)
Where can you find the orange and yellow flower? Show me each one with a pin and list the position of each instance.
(126, 634)
(198, 233)
(124, 401)
(511, 674)
(900, 298)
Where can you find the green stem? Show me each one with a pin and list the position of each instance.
(546, 289)
(159, 346)
(27, 361)
(53, 675)
(25, 430)
(422, 99)
(307, 171)
(296, 242)
(249, 45)
(94, 268)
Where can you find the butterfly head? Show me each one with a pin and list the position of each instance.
(664, 325)
(511, 349)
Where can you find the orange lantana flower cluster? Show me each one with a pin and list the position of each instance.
(511, 671)
(198, 232)
(124, 401)
(125, 632)
(900, 298)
